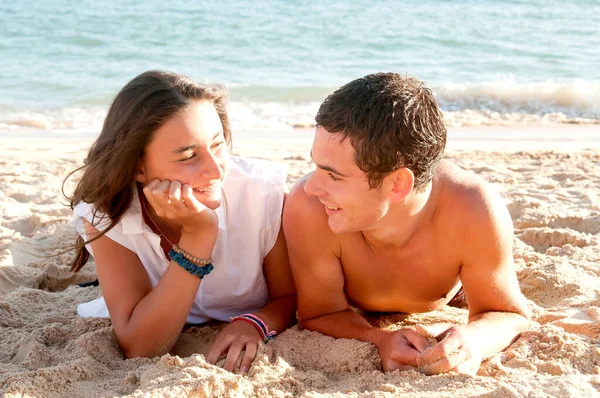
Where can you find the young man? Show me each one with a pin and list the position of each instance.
(384, 225)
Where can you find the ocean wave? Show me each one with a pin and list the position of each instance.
(503, 102)
(577, 99)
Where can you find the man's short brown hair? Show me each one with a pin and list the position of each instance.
(392, 121)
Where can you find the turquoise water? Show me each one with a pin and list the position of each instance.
(488, 62)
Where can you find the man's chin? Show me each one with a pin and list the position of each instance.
(335, 227)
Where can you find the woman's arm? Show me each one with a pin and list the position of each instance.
(280, 311)
(147, 321)
(278, 314)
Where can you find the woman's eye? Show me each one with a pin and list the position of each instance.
(193, 155)
(217, 144)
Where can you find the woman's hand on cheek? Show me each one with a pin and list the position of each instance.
(176, 202)
(238, 336)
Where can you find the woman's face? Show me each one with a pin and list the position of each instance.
(189, 148)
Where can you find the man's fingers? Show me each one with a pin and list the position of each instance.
(419, 342)
(470, 367)
(394, 365)
(445, 364)
(439, 351)
(251, 348)
(433, 330)
(232, 356)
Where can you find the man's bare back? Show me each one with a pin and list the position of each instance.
(363, 232)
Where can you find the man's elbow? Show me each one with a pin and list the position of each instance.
(306, 322)
(525, 321)
(522, 319)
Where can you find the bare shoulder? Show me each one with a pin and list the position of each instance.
(470, 201)
(305, 222)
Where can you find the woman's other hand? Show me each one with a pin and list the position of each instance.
(238, 336)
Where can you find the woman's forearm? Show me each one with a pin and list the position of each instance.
(157, 320)
(280, 313)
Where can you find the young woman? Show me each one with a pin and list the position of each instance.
(181, 231)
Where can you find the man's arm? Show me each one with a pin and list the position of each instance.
(498, 312)
(318, 275)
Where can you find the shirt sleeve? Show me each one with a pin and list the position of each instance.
(99, 220)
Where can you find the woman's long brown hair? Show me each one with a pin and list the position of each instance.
(138, 110)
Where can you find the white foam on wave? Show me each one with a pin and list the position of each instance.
(577, 99)
(502, 102)
(67, 119)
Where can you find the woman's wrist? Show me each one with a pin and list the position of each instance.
(209, 226)
(198, 243)
(261, 327)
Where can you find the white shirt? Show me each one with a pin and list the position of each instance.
(249, 223)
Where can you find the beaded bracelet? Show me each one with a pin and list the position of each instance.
(194, 259)
(194, 269)
(260, 326)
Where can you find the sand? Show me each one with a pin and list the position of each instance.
(551, 187)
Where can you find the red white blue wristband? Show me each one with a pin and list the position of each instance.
(260, 326)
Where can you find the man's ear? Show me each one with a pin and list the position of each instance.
(402, 181)
(140, 174)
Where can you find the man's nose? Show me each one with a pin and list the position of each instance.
(312, 186)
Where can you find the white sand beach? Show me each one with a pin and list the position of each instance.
(549, 177)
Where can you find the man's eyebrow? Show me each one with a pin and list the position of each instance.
(194, 146)
(327, 168)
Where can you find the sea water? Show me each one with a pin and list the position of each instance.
(488, 62)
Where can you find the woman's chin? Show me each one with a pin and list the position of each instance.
(212, 200)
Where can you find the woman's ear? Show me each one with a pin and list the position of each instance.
(402, 181)
(140, 175)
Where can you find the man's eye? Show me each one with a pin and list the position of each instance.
(333, 177)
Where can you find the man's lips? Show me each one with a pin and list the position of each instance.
(331, 209)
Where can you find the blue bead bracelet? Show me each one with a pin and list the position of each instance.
(189, 266)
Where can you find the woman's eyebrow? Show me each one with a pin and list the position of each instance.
(185, 148)
(194, 146)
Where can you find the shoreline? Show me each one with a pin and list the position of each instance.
(285, 143)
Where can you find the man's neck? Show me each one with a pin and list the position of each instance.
(403, 220)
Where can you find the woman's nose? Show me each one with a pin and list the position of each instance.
(212, 167)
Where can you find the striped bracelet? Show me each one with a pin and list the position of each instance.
(258, 324)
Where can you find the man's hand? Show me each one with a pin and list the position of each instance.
(457, 351)
(400, 349)
(238, 336)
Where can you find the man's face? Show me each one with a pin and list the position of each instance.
(342, 187)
